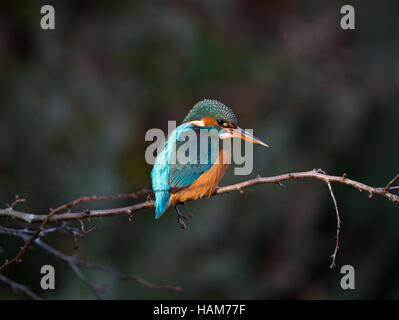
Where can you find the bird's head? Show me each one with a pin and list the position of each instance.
(212, 113)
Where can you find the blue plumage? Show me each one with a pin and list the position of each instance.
(160, 172)
(168, 176)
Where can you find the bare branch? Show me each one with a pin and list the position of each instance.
(28, 243)
(57, 215)
(61, 208)
(73, 263)
(19, 287)
(30, 218)
(313, 174)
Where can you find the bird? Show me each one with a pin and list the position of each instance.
(175, 181)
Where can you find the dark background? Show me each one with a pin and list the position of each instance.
(76, 102)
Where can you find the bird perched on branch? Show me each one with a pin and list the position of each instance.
(191, 168)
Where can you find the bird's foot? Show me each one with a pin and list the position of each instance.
(181, 221)
(189, 216)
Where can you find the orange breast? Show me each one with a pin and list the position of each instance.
(206, 184)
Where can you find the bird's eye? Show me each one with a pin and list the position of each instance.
(221, 123)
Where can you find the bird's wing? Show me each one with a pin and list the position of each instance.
(182, 175)
(169, 176)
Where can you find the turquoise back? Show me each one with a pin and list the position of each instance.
(170, 175)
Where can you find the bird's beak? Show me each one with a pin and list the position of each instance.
(244, 135)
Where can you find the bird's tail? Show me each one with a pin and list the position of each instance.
(161, 203)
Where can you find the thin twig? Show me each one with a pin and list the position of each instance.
(28, 243)
(70, 260)
(334, 255)
(94, 288)
(19, 287)
(390, 183)
(128, 276)
(17, 199)
(73, 263)
(82, 227)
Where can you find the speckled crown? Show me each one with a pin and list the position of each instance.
(213, 109)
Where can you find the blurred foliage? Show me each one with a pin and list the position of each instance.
(75, 104)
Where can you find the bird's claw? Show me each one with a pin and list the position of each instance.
(181, 221)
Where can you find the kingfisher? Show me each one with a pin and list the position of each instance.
(178, 176)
